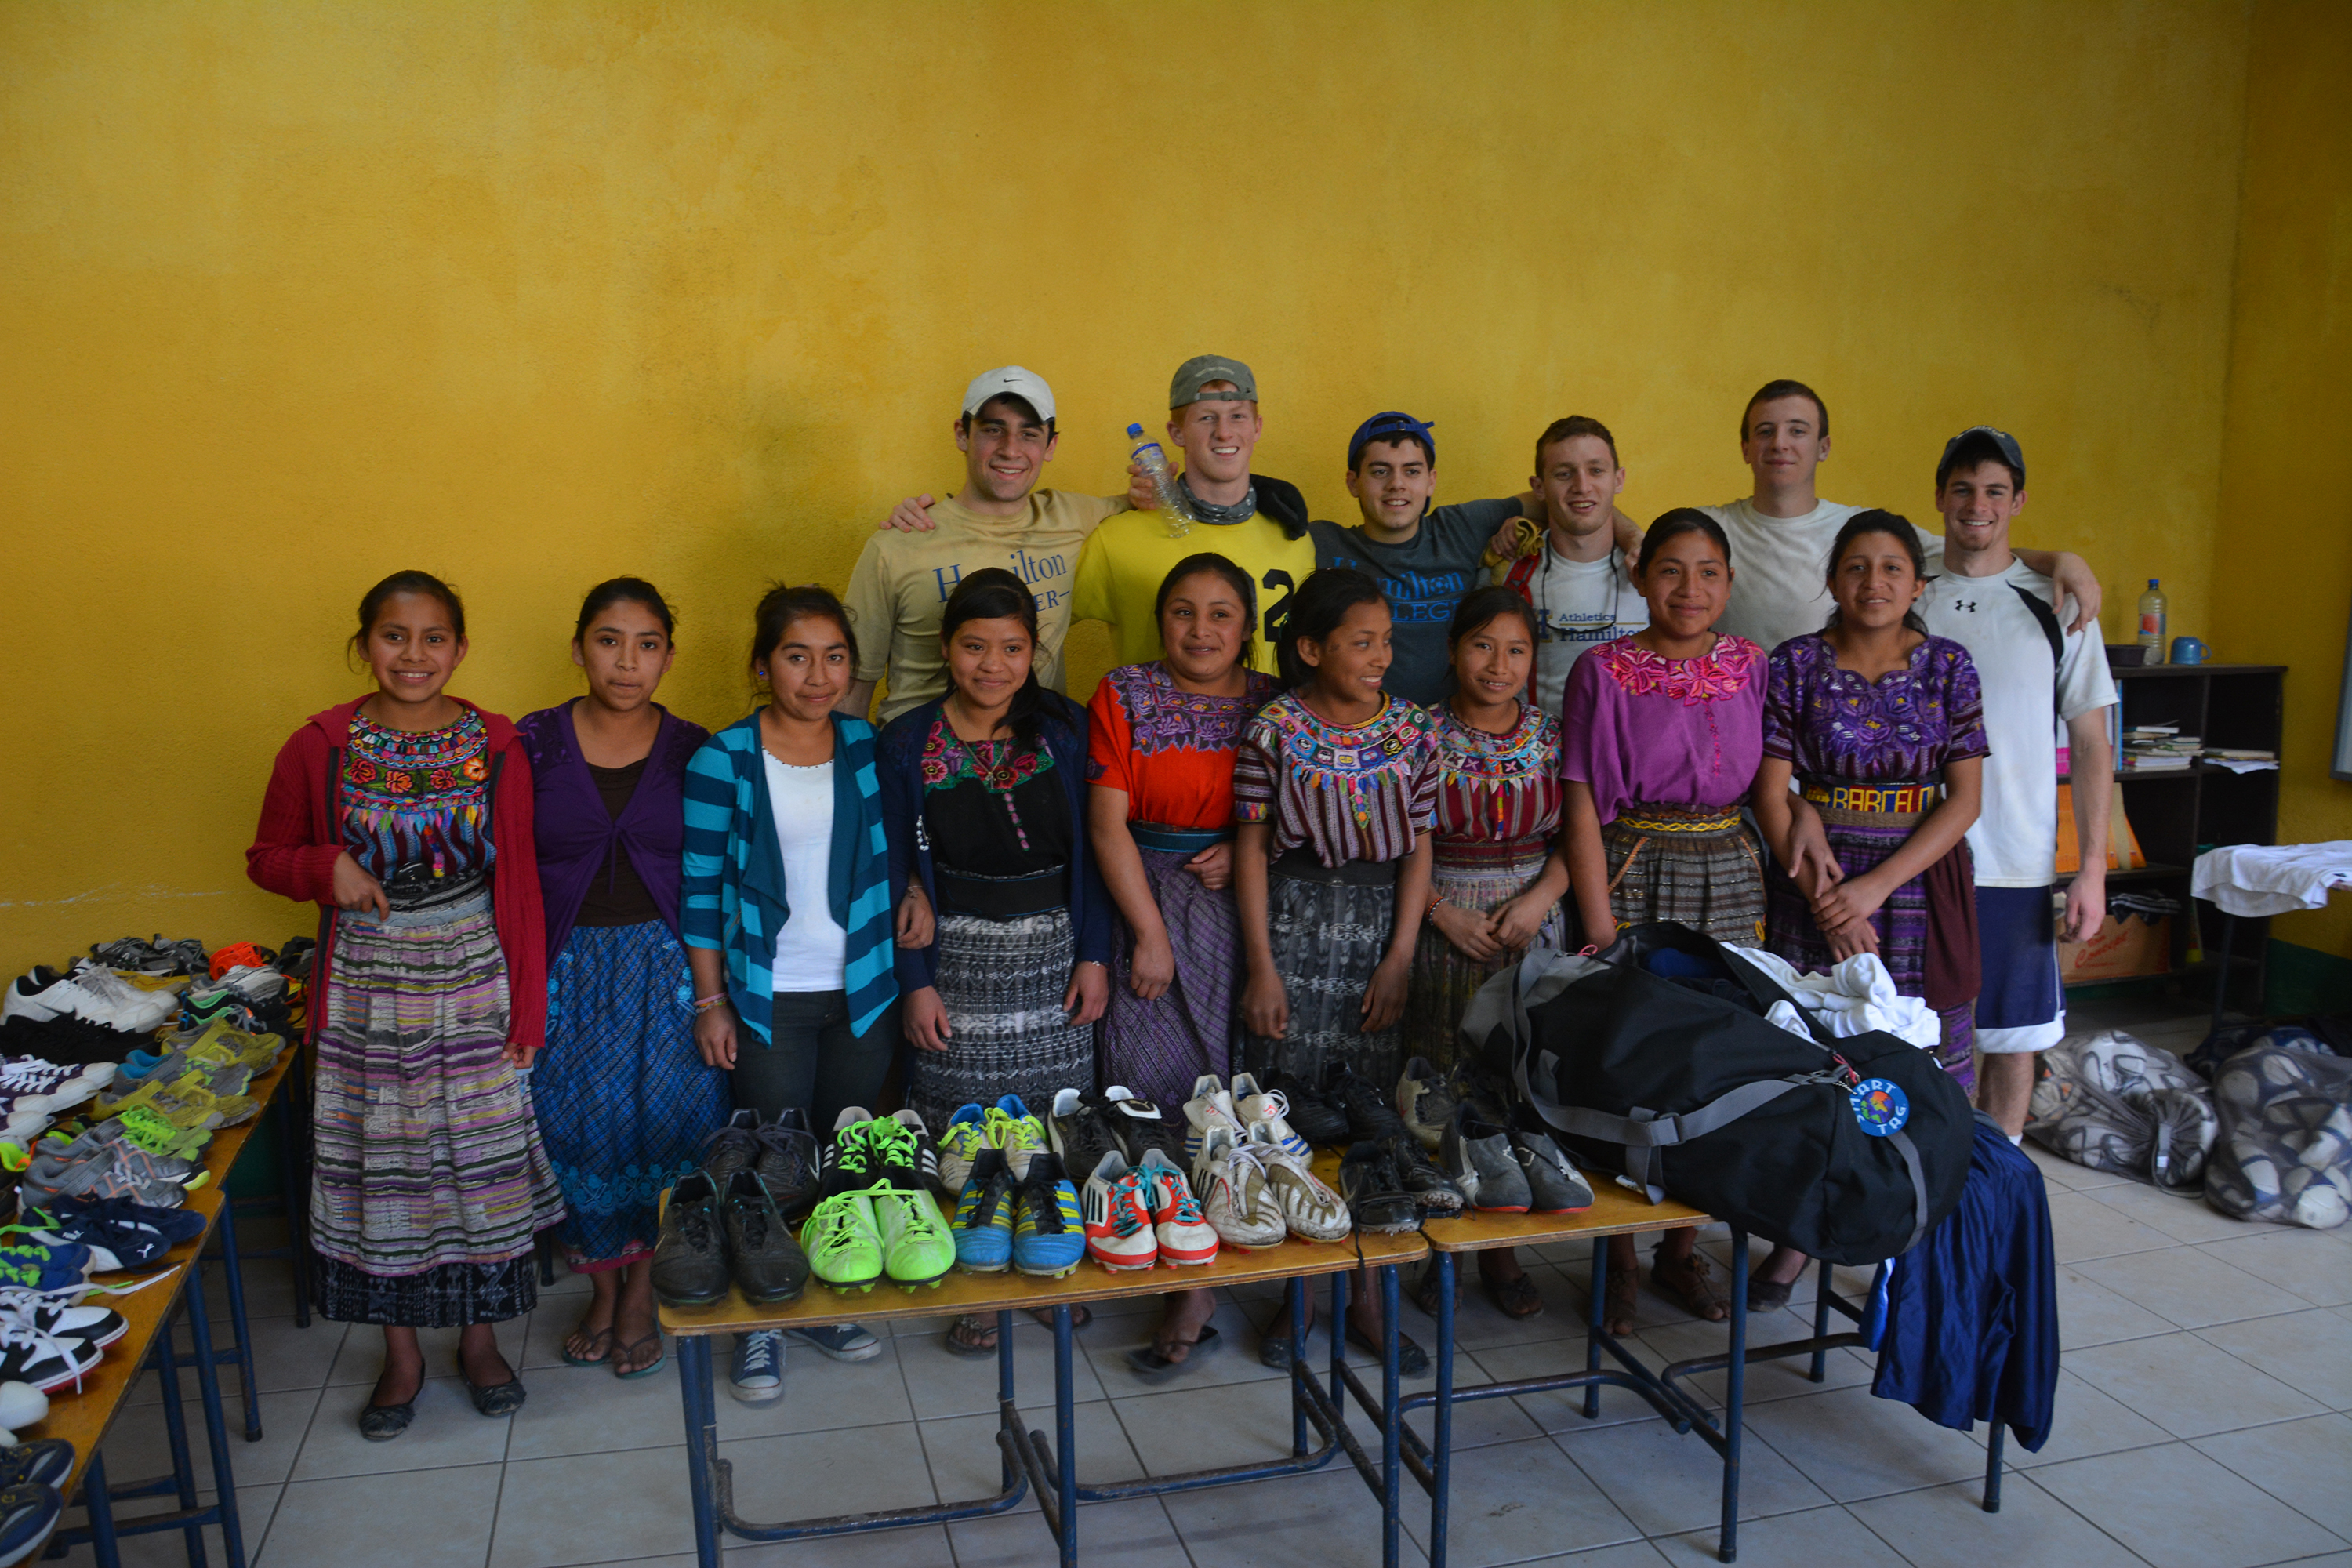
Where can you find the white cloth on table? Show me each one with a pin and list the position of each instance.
(1854, 998)
(2256, 879)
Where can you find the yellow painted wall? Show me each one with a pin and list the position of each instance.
(529, 295)
(2283, 555)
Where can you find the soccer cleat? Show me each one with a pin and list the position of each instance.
(1312, 1211)
(48, 1460)
(28, 1514)
(1048, 1230)
(1430, 1186)
(1212, 1105)
(689, 1267)
(1116, 1217)
(732, 1148)
(1184, 1234)
(918, 1246)
(1019, 1135)
(1253, 1105)
(790, 1162)
(1316, 1116)
(1423, 1102)
(982, 1225)
(845, 1163)
(1141, 1125)
(1554, 1186)
(844, 1247)
(1375, 1192)
(1478, 1160)
(1080, 1133)
(1366, 1107)
(1234, 1198)
(959, 1145)
(767, 1264)
(905, 1155)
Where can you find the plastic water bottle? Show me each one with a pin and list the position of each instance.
(1153, 460)
(2151, 623)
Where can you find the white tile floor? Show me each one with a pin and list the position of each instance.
(2202, 1421)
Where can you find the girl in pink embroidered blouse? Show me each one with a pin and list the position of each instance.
(1663, 734)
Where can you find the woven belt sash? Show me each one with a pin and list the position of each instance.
(1876, 800)
(1176, 840)
(1719, 822)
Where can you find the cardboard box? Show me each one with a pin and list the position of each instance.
(2126, 947)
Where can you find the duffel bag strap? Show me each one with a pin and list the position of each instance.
(1643, 1132)
(1910, 1152)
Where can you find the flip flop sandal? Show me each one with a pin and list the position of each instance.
(1411, 1360)
(1150, 1365)
(603, 1337)
(1516, 1297)
(968, 1347)
(622, 1353)
(1424, 1294)
(1624, 1299)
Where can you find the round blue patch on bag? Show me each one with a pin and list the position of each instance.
(1881, 1107)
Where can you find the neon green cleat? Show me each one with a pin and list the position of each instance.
(918, 1246)
(844, 1247)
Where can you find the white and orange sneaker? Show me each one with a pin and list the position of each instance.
(1117, 1217)
(1185, 1234)
(1253, 1105)
(1212, 1106)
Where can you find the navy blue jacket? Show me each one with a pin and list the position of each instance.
(1971, 1328)
(898, 758)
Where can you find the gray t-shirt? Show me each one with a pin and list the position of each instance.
(1425, 579)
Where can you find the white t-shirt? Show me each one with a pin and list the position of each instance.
(811, 951)
(1579, 605)
(2015, 839)
(1780, 568)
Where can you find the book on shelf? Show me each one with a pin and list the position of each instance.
(2124, 853)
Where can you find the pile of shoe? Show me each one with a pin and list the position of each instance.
(1015, 1206)
(1251, 1168)
(730, 1220)
(197, 1078)
(1137, 1209)
(1465, 1118)
(137, 1157)
(879, 1210)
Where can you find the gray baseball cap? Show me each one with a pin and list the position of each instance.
(1980, 437)
(1201, 369)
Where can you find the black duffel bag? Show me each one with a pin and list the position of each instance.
(1847, 1150)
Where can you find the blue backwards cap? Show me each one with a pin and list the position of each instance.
(1390, 426)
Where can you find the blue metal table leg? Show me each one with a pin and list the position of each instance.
(103, 1545)
(1294, 1295)
(1066, 1436)
(1734, 1401)
(291, 1189)
(1339, 1328)
(1822, 1290)
(1992, 1468)
(1442, 1415)
(1392, 1416)
(240, 1333)
(200, 1329)
(695, 1393)
(1595, 1315)
(166, 1363)
(1011, 1466)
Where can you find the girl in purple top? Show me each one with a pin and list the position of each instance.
(1883, 727)
(622, 1099)
(1664, 732)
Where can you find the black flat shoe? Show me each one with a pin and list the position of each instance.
(498, 1398)
(1411, 1360)
(383, 1423)
(1148, 1365)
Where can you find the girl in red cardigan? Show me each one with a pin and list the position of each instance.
(407, 816)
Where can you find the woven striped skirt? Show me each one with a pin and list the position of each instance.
(1003, 982)
(1160, 1048)
(1478, 875)
(1329, 936)
(428, 1180)
(1698, 865)
(623, 1099)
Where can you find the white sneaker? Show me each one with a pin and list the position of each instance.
(32, 996)
(1185, 1235)
(1312, 1211)
(756, 1376)
(129, 1006)
(1230, 1182)
(1117, 1217)
(1253, 1106)
(1211, 1106)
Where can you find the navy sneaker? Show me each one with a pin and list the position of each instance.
(28, 1512)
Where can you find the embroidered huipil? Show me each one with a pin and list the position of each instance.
(416, 804)
(1352, 792)
(1638, 726)
(1497, 789)
(1839, 724)
(995, 809)
(1170, 750)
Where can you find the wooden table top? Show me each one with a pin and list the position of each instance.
(963, 1293)
(82, 1417)
(1615, 1211)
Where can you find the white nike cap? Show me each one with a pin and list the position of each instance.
(1025, 384)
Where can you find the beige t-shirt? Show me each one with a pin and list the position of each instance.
(902, 581)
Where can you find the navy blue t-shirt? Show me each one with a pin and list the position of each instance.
(1424, 579)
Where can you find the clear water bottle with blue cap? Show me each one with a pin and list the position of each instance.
(1153, 460)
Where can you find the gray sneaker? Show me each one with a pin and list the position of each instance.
(756, 1376)
(1554, 1186)
(1422, 1101)
(113, 1171)
(96, 1140)
(1477, 1155)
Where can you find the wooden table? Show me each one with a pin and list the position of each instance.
(1615, 1211)
(83, 1416)
(1029, 1457)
